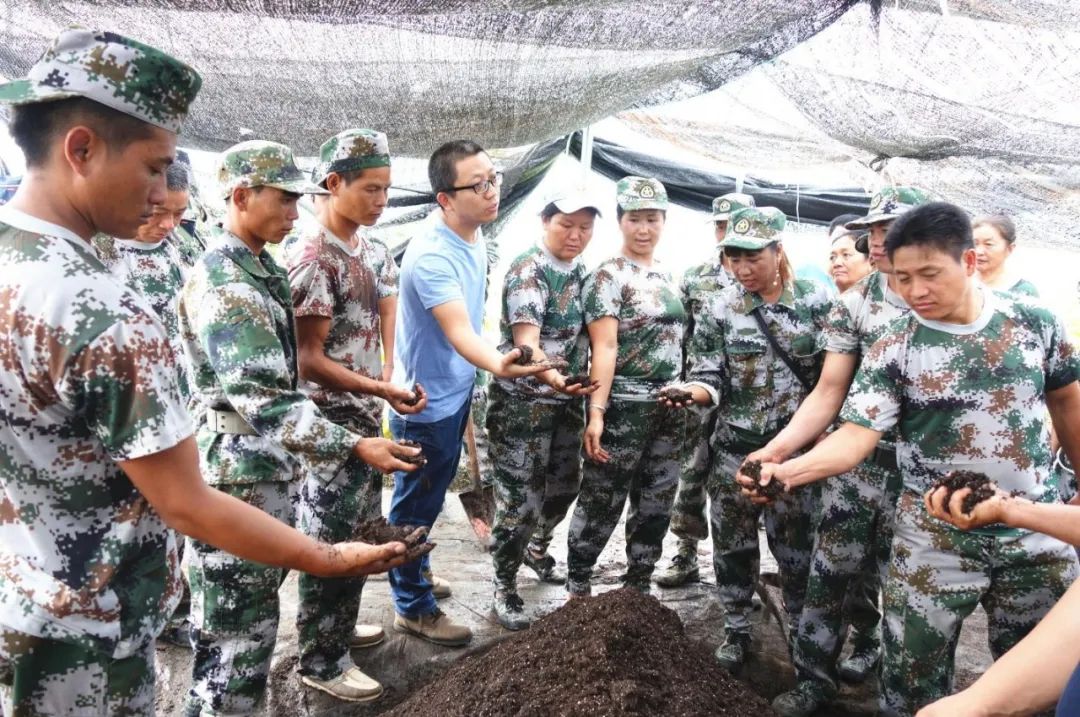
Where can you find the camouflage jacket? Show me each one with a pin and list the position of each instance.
(755, 391)
(236, 324)
(545, 292)
(330, 279)
(88, 380)
(969, 397)
(698, 283)
(651, 324)
(155, 272)
(187, 243)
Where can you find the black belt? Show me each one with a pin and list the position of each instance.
(885, 457)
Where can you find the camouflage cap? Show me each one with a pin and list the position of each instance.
(888, 204)
(351, 150)
(724, 205)
(754, 228)
(635, 193)
(116, 71)
(258, 163)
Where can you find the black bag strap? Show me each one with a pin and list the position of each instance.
(756, 313)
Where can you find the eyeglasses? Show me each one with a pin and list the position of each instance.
(481, 187)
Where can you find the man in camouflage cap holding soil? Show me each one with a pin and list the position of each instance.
(96, 445)
(256, 430)
(344, 295)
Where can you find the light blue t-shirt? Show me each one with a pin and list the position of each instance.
(439, 266)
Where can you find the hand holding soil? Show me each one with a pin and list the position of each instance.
(966, 500)
(419, 394)
(378, 532)
(751, 471)
(416, 460)
(675, 397)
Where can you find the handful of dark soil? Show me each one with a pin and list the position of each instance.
(773, 489)
(982, 488)
(416, 396)
(526, 359)
(580, 379)
(417, 460)
(676, 395)
(620, 653)
(378, 531)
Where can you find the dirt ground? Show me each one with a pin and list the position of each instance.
(403, 663)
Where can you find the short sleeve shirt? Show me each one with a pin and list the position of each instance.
(89, 379)
(333, 279)
(698, 284)
(969, 397)
(646, 302)
(545, 292)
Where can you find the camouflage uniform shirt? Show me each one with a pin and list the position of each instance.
(651, 324)
(236, 323)
(88, 379)
(969, 397)
(698, 284)
(330, 279)
(541, 290)
(756, 391)
(155, 272)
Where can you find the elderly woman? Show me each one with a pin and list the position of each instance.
(635, 320)
(756, 356)
(535, 431)
(849, 253)
(995, 240)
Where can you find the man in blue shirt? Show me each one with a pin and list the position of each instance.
(438, 345)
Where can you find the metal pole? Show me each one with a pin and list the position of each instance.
(586, 153)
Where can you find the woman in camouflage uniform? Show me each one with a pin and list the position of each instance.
(535, 431)
(737, 366)
(636, 322)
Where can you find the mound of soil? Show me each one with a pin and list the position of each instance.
(773, 489)
(982, 488)
(378, 531)
(620, 653)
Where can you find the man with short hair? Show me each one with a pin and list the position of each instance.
(256, 429)
(96, 445)
(185, 237)
(344, 296)
(967, 379)
(438, 344)
(688, 521)
(853, 534)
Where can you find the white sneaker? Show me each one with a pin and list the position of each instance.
(352, 685)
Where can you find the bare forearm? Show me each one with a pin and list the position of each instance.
(476, 350)
(813, 418)
(1054, 519)
(387, 325)
(602, 370)
(839, 453)
(329, 374)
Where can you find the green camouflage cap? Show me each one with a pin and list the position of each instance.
(116, 71)
(351, 150)
(641, 193)
(258, 163)
(754, 228)
(888, 204)
(724, 205)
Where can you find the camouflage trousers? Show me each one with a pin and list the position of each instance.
(736, 556)
(39, 676)
(234, 612)
(641, 437)
(536, 449)
(688, 519)
(850, 559)
(937, 576)
(330, 512)
(478, 412)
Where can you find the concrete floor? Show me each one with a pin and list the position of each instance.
(402, 663)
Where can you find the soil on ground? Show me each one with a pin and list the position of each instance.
(620, 653)
(752, 470)
(981, 488)
(378, 531)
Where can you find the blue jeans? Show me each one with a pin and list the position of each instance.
(418, 498)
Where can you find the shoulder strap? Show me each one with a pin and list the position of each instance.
(779, 351)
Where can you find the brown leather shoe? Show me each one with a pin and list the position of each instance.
(436, 627)
(366, 636)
